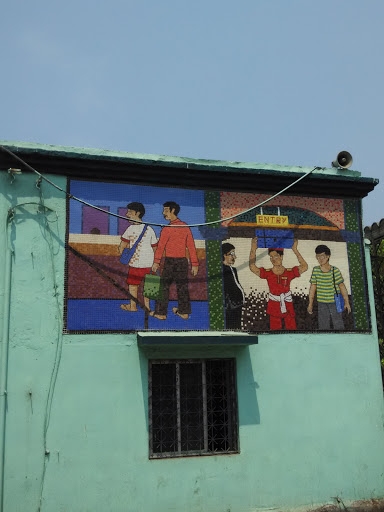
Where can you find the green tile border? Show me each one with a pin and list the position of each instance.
(357, 266)
(213, 255)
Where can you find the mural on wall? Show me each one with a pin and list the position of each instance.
(294, 264)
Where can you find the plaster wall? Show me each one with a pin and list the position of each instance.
(310, 405)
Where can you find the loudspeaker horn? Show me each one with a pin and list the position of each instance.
(343, 160)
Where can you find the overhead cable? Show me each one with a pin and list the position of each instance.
(156, 223)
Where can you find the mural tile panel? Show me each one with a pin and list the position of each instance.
(271, 269)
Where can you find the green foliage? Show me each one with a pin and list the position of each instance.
(377, 258)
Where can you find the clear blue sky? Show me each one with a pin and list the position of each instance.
(290, 82)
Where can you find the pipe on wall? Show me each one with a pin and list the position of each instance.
(4, 367)
(371, 293)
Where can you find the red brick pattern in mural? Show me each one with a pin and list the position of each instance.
(331, 209)
(84, 282)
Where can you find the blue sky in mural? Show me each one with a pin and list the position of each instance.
(285, 82)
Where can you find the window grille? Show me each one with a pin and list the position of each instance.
(192, 407)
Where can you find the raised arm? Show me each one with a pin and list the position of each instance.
(252, 257)
(303, 265)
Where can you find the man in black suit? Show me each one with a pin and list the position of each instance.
(233, 291)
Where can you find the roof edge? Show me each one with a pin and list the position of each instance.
(162, 160)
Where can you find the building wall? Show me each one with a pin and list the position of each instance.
(310, 405)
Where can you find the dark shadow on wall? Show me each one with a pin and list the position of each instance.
(143, 358)
(247, 386)
(248, 407)
(45, 218)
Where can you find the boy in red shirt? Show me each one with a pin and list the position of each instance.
(280, 304)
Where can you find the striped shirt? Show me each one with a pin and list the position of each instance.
(325, 289)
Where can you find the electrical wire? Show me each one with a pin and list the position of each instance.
(47, 235)
(41, 177)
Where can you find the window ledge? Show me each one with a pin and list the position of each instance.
(204, 338)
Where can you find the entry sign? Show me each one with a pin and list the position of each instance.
(278, 221)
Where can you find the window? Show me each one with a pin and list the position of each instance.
(192, 407)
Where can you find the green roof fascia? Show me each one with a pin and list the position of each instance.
(178, 162)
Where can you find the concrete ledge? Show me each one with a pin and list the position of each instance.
(202, 338)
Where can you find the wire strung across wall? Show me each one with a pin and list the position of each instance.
(155, 223)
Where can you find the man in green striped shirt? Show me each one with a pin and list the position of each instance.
(327, 280)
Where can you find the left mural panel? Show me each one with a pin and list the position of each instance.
(104, 294)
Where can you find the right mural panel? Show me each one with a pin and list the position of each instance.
(294, 264)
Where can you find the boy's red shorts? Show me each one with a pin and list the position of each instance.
(136, 275)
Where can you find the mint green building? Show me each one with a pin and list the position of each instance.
(225, 393)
